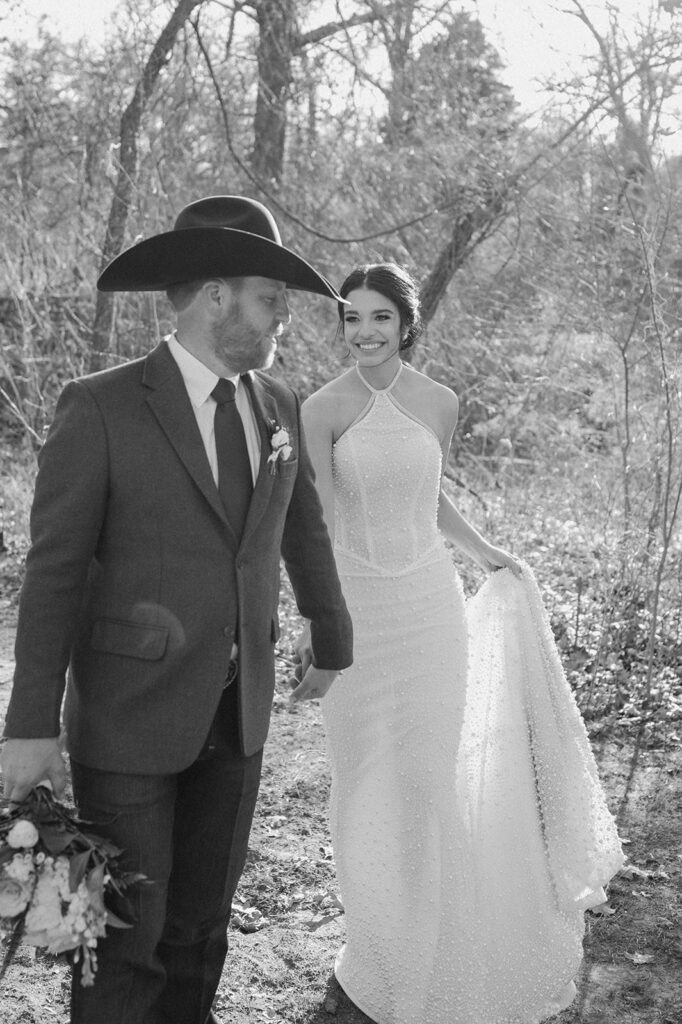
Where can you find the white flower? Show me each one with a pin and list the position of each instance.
(280, 442)
(21, 867)
(23, 835)
(280, 438)
(56, 916)
(45, 913)
(14, 897)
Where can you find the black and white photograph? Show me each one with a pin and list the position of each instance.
(341, 511)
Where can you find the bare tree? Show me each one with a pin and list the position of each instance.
(126, 179)
(280, 43)
(639, 72)
(277, 33)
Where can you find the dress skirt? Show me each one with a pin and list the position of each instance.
(453, 911)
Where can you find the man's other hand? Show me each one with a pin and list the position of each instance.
(28, 762)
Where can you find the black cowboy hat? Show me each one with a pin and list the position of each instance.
(221, 236)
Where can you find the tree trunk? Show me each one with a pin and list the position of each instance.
(126, 180)
(457, 249)
(279, 42)
(400, 59)
(277, 32)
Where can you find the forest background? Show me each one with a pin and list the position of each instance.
(547, 250)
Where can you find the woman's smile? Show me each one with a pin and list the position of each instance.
(371, 325)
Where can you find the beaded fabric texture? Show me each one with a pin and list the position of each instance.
(463, 886)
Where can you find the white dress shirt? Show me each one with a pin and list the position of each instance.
(200, 381)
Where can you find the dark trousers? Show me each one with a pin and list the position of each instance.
(188, 833)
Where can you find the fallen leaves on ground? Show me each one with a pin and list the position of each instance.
(247, 919)
(640, 958)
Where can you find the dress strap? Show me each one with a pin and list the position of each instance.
(380, 391)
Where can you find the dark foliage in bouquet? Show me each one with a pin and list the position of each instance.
(56, 878)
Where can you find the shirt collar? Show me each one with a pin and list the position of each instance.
(199, 380)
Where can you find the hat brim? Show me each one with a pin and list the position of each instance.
(176, 257)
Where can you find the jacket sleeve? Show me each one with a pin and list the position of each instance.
(309, 561)
(66, 518)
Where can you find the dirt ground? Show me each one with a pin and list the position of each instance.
(281, 973)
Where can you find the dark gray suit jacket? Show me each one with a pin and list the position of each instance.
(135, 579)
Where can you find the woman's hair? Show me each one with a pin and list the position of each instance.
(395, 284)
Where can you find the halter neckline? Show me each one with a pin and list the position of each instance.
(380, 391)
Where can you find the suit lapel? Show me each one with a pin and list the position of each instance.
(169, 401)
(265, 412)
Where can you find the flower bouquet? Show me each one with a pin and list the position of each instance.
(54, 875)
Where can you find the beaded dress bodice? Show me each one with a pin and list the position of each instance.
(387, 470)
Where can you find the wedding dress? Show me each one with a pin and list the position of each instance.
(469, 828)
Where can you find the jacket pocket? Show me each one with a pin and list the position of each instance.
(286, 469)
(131, 639)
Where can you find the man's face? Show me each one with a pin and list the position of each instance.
(245, 336)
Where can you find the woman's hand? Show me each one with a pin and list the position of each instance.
(461, 533)
(491, 559)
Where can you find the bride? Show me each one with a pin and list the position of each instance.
(469, 828)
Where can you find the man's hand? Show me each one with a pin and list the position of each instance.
(27, 763)
(304, 652)
(314, 684)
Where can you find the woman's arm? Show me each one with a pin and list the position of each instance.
(453, 524)
(460, 532)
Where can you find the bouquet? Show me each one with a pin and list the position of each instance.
(54, 876)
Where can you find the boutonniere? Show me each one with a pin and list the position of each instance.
(280, 443)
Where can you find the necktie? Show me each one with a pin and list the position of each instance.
(234, 469)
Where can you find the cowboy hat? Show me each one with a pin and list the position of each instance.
(220, 236)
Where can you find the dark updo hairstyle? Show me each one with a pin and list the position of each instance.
(395, 284)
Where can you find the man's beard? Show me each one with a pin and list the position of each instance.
(268, 354)
(260, 357)
(239, 346)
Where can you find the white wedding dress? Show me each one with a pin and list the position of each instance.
(468, 824)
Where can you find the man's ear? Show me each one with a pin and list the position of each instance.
(215, 291)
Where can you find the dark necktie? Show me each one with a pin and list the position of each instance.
(234, 469)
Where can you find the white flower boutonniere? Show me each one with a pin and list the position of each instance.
(280, 443)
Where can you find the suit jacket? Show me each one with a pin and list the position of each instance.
(135, 579)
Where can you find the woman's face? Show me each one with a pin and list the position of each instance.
(371, 327)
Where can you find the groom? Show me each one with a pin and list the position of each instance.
(168, 487)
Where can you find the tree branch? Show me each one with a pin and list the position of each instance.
(317, 35)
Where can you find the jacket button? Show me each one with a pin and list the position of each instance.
(227, 631)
